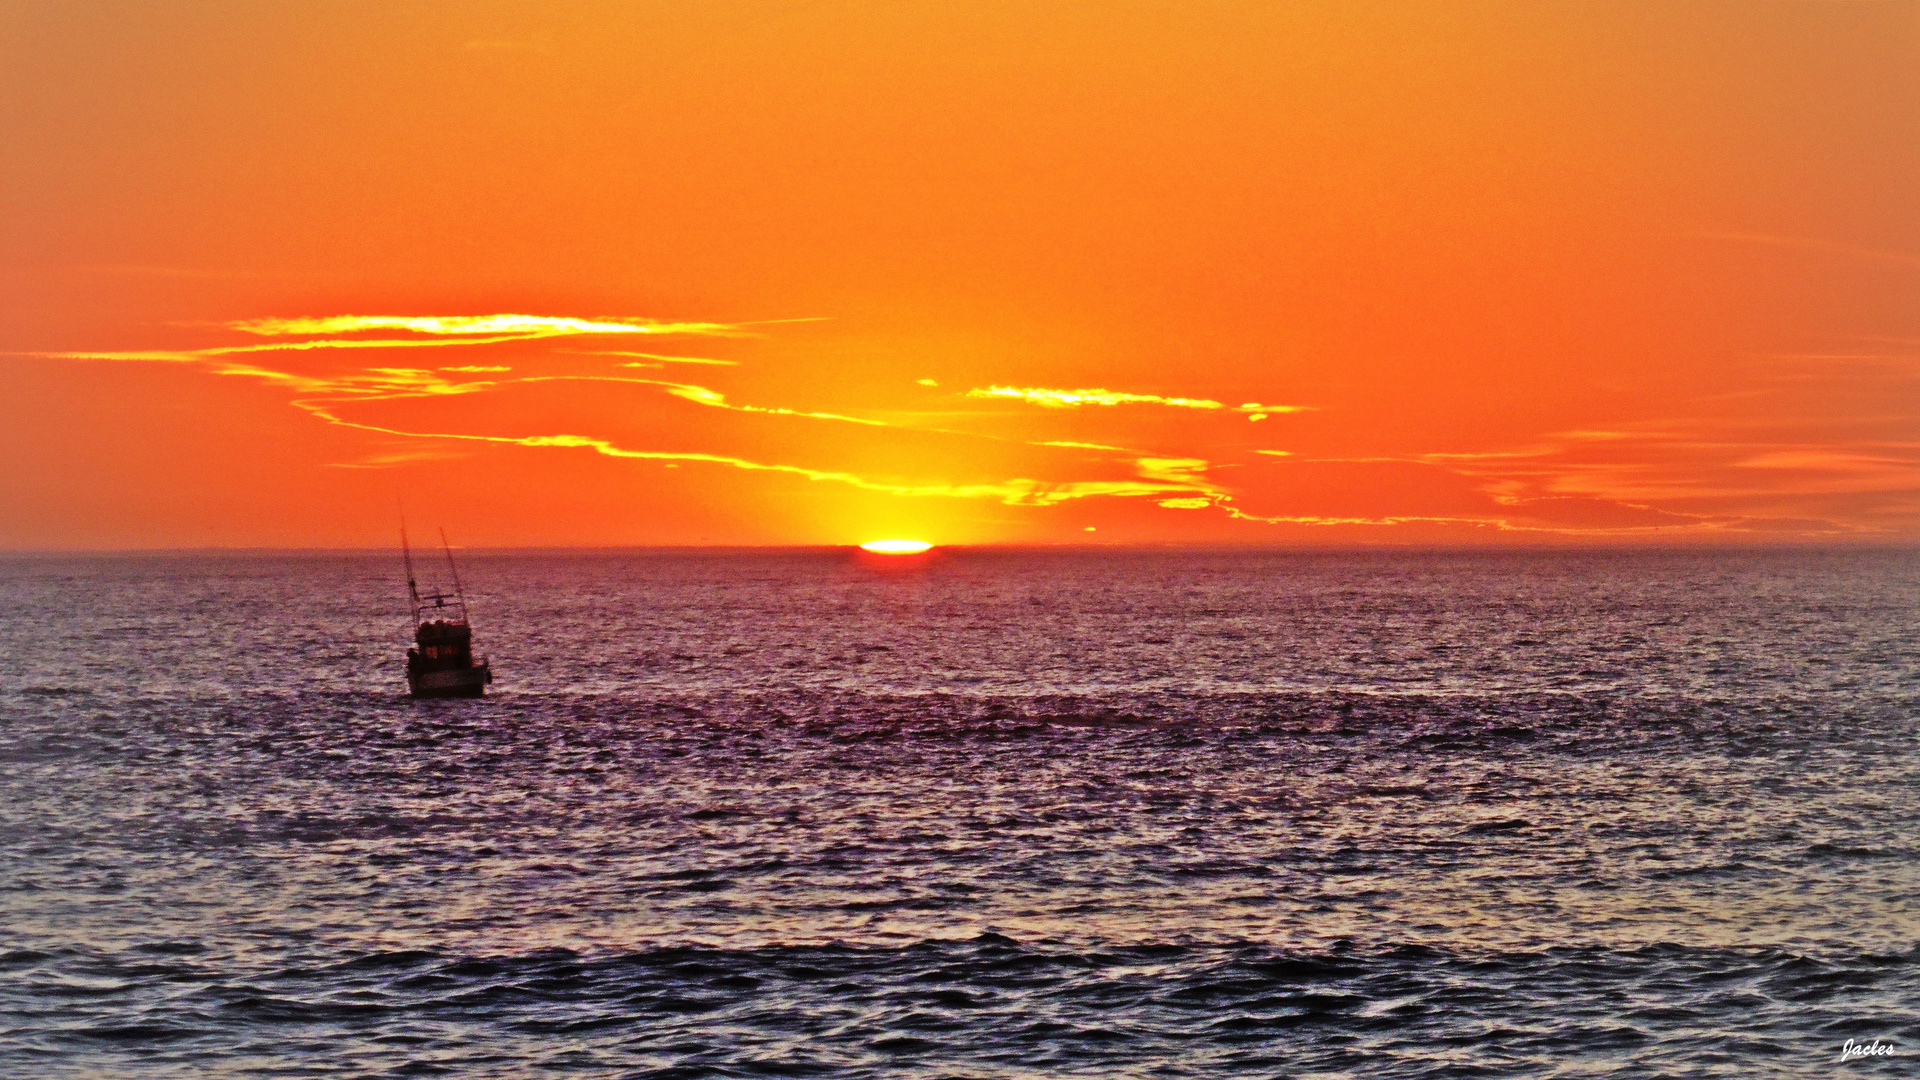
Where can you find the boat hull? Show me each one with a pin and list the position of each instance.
(454, 683)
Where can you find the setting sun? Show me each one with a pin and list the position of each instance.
(895, 547)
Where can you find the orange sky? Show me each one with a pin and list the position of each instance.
(972, 272)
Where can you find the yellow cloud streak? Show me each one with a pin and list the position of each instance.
(389, 383)
(446, 330)
(520, 326)
(656, 357)
(701, 395)
(1071, 399)
(190, 355)
(1495, 523)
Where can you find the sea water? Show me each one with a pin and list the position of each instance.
(975, 814)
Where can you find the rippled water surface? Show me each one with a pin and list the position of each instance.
(981, 814)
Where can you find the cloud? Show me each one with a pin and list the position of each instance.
(367, 384)
(1258, 411)
(701, 395)
(1731, 476)
(657, 358)
(1392, 519)
(438, 331)
(474, 325)
(325, 397)
(1825, 460)
(1070, 399)
(1073, 399)
(1159, 477)
(1815, 244)
(402, 457)
(1175, 471)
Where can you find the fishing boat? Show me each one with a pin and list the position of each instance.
(441, 663)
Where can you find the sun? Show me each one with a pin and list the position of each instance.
(895, 547)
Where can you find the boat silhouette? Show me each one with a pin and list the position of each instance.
(441, 663)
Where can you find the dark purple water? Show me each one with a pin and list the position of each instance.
(991, 814)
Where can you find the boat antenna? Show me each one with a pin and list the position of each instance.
(457, 590)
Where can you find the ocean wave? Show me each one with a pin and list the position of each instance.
(946, 1007)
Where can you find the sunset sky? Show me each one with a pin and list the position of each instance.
(802, 273)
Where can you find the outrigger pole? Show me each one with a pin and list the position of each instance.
(455, 571)
(406, 552)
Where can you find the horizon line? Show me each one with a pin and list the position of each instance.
(1542, 545)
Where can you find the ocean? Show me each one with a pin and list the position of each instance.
(985, 813)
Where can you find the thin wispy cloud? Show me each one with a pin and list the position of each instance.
(1072, 399)
(656, 358)
(435, 331)
(1020, 491)
(399, 458)
(701, 395)
(1686, 476)
(1049, 398)
(310, 333)
(528, 326)
(1813, 244)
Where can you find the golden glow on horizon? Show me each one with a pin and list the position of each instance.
(896, 547)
